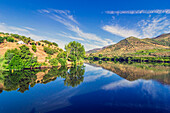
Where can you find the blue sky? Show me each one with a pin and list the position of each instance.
(94, 23)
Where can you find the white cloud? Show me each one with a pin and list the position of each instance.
(69, 36)
(66, 18)
(143, 29)
(121, 31)
(154, 27)
(12, 29)
(156, 11)
(146, 86)
(126, 84)
(98, 72)
(27, 32)
(29, 28)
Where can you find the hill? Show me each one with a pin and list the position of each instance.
(94, 50)
(141, 47)
(40, 53)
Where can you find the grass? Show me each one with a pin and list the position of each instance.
(150, 51)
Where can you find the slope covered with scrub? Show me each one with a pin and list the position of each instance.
(134, 46)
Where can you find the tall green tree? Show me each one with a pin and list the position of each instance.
(75, 51)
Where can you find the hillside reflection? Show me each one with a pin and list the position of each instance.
(136, 71)
(22, 80)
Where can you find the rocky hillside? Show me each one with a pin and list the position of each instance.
(40, 53)
(135, 45)
(94, 50)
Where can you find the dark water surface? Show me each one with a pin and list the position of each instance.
(90, 89)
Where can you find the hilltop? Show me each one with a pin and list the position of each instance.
(132, 46)
(40, 53)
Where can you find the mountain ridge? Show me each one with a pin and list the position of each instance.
(133, 44)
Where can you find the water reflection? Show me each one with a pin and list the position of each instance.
(22, 80)
(101, 90)
(137, 71)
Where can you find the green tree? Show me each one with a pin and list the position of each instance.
(20, 59)
(49, 50)
(1, 39)
(39, 43)
(10, 39)
(54, 62)
(75, 51)
(10, 53)
(34, 48)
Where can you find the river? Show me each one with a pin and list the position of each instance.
(91, 88)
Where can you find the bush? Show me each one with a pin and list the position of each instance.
(20, 59)
(32, 43)
(10, 53)
(62, 61)
(55, 44)
(39, 43)
(10, 39)
(53, 62)
(1, 39)
(15, 35)
(34, 48)
(49, 50)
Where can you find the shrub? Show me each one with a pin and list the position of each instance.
(32, 43)
(1, 40)
(10, 39)
(34, 48)
(53, 62)
(15, 35)
(10, 53)
(20, 59)
(39, 43)
(55, 44)
(62, 61)
(49, 50)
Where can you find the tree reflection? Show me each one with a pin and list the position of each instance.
(22, 80)
(74, 76)
(134, 71)
(19, 80)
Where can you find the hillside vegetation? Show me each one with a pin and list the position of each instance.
(132, 46)
(42, 50)
(20, 52)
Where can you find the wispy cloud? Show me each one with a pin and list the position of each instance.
(142, 29)
(27, 32)
(63, 34)
(12, 29)
(29, 28)
(67, 19)
(121, 31)
(156, 11)
(154, 27)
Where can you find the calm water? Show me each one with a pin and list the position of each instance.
(89, 89)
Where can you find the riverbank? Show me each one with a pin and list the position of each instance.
(131, 59)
